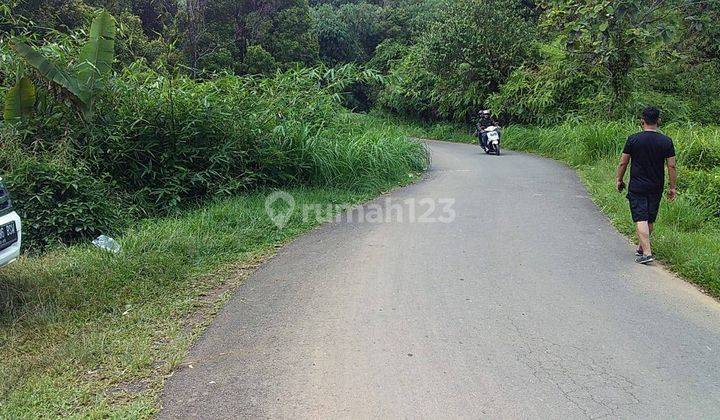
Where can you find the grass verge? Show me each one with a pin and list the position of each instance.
(445, 131)
(88, 333)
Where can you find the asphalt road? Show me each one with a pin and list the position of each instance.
(528, 304)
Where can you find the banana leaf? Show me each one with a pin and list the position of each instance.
(51, 72)
(96, 57)
(19, 100)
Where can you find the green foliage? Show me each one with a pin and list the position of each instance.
(95, 63)
(561, 87)
(386, 54)
(164, 144)
(19, 100)
(337, 43)
(58, 199)
(473, 49)
(96, 57)
(258, 61)
(700, 31)
(611, 34)
(290, 38)
(548, 92)
(684, 91)
(410, 86)
(366, 24)
(132, 43)
(355, 86)
(464, 57)
(215, 35)
(52, 72)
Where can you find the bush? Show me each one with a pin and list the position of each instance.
(172, 142)
(59, 200)
(703, 188)
(698, 147)
(157, 145)
(338, 44)
(547, 93)
(674, 107)
(409, 88)
(258, 61)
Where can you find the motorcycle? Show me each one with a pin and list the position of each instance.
(492, 134)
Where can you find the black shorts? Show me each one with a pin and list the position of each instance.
(644, 207)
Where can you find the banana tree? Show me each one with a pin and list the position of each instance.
(19, 100)
(85, 80)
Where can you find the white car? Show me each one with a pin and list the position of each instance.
(10, 229)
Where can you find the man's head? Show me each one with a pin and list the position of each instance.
(650, 117)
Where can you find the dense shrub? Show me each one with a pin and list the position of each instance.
(258, 61)
(348, 33)
(58, 199)
(409, 88)
(559, 86)
(545, 94)
(159, 144)
(703, 188)
(170, 141)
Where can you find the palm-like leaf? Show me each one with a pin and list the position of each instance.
(51, 71)
(96, 57)
(20, 99)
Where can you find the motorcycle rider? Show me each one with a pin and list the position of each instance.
(485, 120)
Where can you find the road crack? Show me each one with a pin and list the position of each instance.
(589, 385)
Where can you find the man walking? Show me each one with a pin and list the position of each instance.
(647, 152)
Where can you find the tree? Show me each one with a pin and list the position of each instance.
(472, 49)
(336, 43)
(82, 82)
(195, 27)
(258, 61)
(281, 27)
(365, 22)
(701, 31)
(614, 35)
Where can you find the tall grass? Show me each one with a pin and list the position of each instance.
(159, 145)
(435, 130)
(687, 235)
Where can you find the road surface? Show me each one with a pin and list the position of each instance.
(528, 304)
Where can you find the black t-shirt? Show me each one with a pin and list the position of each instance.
(648, 151)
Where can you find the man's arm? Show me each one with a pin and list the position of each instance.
(620, 174)
(672, 174)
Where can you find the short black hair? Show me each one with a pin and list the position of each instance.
(651, 115)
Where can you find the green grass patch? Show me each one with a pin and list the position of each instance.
(444, 131)
(89, 333)
(687, 233)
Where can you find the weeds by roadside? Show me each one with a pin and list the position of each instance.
(446, 131)
(93, 334)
